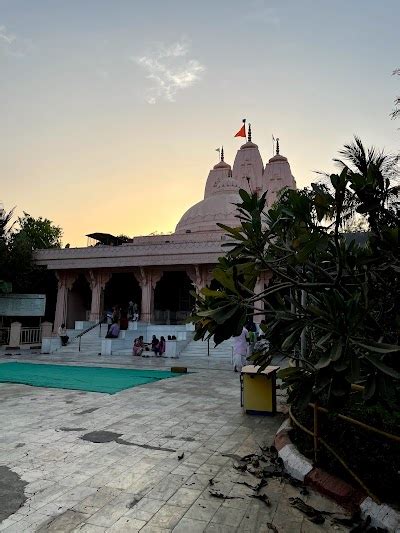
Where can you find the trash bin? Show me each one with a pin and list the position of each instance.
(258, 389)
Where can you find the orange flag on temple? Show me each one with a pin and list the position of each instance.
(241, 132)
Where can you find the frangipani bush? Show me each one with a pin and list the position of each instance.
(333, 301)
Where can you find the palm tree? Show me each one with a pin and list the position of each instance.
(5, 233)
(374, 177)
(396, 111)
(5, 228)
(359, 159)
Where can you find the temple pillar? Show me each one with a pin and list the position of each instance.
(262, 281)
(97, 280)
(147, 279)
(65, 281)
(200, 276)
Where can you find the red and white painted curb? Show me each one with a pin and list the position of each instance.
(341, 492)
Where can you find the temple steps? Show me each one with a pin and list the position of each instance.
(91, 344)
(200, 349)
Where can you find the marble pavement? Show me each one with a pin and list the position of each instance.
(76, 485)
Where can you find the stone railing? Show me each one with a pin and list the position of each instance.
(30, 336)
(17, 336)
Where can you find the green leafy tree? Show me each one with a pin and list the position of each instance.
(332, 305)
(38, 232)
(17, 269)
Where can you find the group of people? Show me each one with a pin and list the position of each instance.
(123, 315)
(157, 346)
(250, 340)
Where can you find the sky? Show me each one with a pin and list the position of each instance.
(111, 110)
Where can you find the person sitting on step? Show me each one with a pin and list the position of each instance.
(138, 346)
(113, 332)
(62, 333)
(154, 344)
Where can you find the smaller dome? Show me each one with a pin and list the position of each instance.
(277, 157)
(249, 144)
(221, 164)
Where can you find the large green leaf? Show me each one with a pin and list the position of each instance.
(336, 350)
(324, 361)
(220, 314)
(382, 367)
(378, 347)
(225, 279)
(291, 339)
(212, 294)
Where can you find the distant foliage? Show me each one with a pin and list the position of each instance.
(37, 232)
(18, 240)
(396, 110)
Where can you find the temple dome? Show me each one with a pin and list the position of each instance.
(222, 164)
(248, 144)
(204, 215)
(277, 157)
(248, 167)
(221, 192)
(277, 176)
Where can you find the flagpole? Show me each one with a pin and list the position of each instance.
(242, 130)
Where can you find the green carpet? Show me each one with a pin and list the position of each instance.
(87, 378)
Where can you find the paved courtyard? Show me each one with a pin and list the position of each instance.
(78, 485)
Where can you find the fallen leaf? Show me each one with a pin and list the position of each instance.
(263, 498)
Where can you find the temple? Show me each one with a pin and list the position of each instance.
(159, 272)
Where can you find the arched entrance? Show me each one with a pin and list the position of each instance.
(119, 291)
(79, 301)
(173, 302)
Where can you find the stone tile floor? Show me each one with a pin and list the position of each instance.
(75, 485)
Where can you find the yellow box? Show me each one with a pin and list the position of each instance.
(258, 389)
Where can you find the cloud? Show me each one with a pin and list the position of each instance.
(6, 37)
(169, 70)
(261, 11)
(12, 46)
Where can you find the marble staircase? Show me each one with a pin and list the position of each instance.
(200, 349)
(91, 344)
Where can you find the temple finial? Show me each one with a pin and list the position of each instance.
(222, 153)
(249, 133)
(277, 146)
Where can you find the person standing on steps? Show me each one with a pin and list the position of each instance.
(130, 310)
(161, 347)
(240, 346)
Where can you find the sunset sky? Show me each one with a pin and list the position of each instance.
(111, 110)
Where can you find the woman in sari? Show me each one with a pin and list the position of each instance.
(138, 346)
(161, 346)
